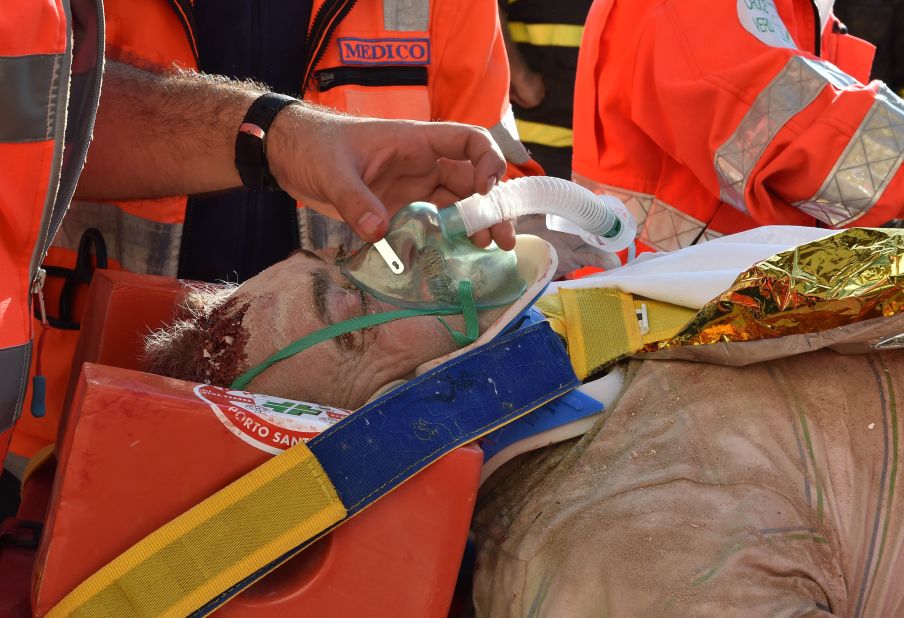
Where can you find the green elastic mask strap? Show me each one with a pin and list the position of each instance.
(468, 310)
(469, 313)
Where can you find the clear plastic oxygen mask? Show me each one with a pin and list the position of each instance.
(422, 261)
(420, 265)
(427, 265)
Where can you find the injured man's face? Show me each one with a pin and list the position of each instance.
(229, 330)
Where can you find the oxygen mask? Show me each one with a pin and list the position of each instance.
(420, 264)
(427, 265)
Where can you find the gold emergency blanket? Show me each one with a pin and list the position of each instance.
(845, 292)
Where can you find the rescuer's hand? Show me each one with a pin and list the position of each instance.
(173, 133)
(364, 170)
(572, 251)
(526, 88)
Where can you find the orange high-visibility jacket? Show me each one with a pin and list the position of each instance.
(713, 117)
(37, 178)
(419, 60)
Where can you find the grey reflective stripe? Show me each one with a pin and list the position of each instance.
(791, 91)
(869, 162)
(28, 99)
(659, 225)
(317, 231)
(709, 234)
(57, 134)
(406, 15)
(85, 96)
(506, 135)
(14, 365)
(140, 245)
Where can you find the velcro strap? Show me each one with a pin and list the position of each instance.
(192, 565)
(193, 558)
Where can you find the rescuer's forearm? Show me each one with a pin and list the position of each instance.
(174, 134)
(164, 134)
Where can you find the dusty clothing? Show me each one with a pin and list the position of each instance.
(768, 490)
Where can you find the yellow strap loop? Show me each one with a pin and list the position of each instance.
(203, 552)
(601, 325)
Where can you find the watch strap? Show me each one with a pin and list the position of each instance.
(250, 141)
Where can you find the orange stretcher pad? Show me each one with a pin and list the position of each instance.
(137, 450)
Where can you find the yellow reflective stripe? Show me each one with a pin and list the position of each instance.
(545, 134)
(553, 35)
(197, 556)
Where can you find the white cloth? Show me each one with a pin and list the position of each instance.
(693, 276)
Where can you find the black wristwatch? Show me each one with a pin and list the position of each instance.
(250, 142)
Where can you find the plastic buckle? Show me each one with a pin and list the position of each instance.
(643, 319)
(21, 533)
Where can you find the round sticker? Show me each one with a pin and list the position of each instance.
(761, 19)
(271, 424)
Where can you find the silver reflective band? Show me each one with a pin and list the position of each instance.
(14, 365)
(506, 135)
(659, 225)
(868, 163)
(791, 91)
(406, 15)
(28, 99)
(140, 245)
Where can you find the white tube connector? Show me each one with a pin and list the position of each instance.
(600, 220)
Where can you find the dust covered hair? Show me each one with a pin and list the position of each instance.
(205, 342)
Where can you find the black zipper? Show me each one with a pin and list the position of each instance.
(818, 30)
(370, 76)
(67, 184)
(324, 24)
(328, 17)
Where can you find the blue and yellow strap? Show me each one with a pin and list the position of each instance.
(193, 558)
(193, 564)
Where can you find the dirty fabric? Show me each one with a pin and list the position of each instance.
(767, 490)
